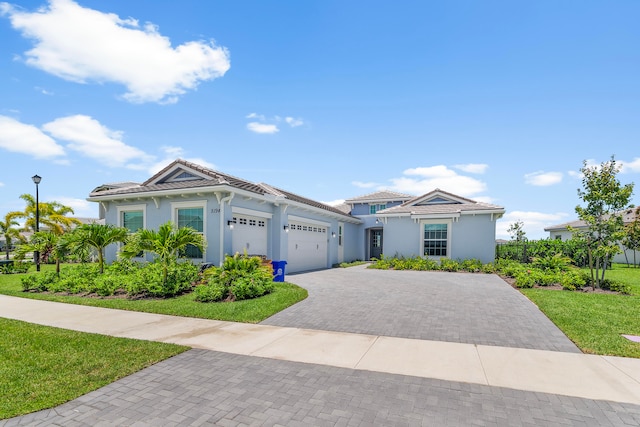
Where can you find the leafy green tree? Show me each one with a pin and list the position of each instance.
(96, 237)
(53, 215)
(632, 236)
(9, 230)
(604, 197)
(516, 231)
(166, 243)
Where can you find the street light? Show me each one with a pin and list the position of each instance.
(36, 255)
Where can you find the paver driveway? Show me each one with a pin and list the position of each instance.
(439, 306)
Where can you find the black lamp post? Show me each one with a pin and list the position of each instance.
(36, 255)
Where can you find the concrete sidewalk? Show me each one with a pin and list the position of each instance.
(586, 376)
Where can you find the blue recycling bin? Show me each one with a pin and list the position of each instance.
(278, 270)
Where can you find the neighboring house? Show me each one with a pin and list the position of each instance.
(440, 224)
(235, 215)
(562, 232)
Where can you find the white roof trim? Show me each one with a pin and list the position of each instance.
(251, 212)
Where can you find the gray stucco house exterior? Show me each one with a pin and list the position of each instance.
(235, 215)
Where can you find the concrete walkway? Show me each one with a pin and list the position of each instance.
(604, 378)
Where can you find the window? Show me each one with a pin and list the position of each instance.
(339, 235)
(375, 208)
(132, 217)
(132, 220)
(435, 240)
(194, 218)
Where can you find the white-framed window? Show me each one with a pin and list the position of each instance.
(191, 214)
(133, 218)
(339, 235)
(436, 238)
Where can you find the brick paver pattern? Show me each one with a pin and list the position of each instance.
(470, 308)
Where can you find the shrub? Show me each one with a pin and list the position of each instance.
(447, 264)
(573, 280)
(240, 277)
(18, 267)
(556, 262)
(524, 279)
(471, 265)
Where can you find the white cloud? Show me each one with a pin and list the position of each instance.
(630, 167)
(262, 127)
(85, 45)
(1, 184)
(81, 207)
(173, 153)
(293, 122)
(92, 139)
(432, 177)
(27, 139)
(360, 184)
(263, 124)
(478, 168)
(543, 179)
(256, 116)
(533, 223)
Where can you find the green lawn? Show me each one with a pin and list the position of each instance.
(42, 367)
(596, 321)
(247, 311)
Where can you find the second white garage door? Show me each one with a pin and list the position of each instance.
(307, 247)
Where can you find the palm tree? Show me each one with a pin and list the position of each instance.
(166, 243)
(8, 230)
(51, 214)
(98, 237)
(48, 245)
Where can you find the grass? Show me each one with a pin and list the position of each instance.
(595, 321)
(42, 367)
(247, 311)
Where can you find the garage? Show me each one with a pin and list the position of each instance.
(249, 234)
(307, 246)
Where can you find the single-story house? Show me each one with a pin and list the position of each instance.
(235, 215)
(563, 232)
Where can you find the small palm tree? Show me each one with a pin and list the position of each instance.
(96, 236)
(49, 245)
(166, 243)
(9, 231)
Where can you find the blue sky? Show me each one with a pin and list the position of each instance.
(497, 101)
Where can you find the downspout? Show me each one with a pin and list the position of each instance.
(221, 202)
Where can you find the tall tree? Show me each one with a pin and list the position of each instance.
(166, 243)
(605, 198)
(48, 244)
(53, 215)
(9, 230)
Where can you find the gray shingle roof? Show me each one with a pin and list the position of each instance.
(383, 195)
(458, 205)
(158, 183)
(628, 215)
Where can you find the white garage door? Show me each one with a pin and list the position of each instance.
(250, 234)
(307, 247)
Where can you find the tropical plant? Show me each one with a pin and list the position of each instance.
(48, 245)
(605, 198)
(53, 215)
(96, 237)
(167, 243)
(9, 230)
